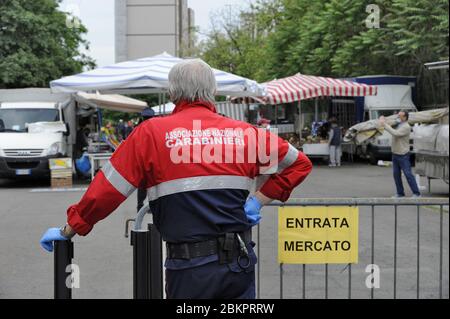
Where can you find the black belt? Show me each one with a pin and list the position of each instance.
(227, 244)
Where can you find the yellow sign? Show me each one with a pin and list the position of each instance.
(318, 235)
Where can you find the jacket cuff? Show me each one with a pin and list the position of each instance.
(78, 224)
(273, 191)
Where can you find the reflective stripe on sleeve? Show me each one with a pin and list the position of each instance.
(117, 180)
(289, 159)
(199, 183)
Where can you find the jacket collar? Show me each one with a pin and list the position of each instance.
(183, 105)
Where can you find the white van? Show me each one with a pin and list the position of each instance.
(30, 134)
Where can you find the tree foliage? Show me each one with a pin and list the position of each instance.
(37, 44)
(240, 45)
(279, 38)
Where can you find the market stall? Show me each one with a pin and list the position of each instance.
(102, 144)
(302, 87)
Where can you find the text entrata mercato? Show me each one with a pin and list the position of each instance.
(310, 222)
(228, 308)
(318, 235)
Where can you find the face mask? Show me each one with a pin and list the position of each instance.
(398, 121)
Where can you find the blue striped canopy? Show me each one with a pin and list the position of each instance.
(147, 75)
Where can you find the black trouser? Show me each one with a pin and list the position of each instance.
(141, 196)
(212, 281)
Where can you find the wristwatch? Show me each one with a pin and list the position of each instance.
(63, 232)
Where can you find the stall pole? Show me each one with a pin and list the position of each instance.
(316, 110)
(276, 115)
(300, 118)
(164, 103)
(159, 103)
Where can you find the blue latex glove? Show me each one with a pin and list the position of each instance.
(252, 209)
(51, 235)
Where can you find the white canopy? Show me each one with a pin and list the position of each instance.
(145, 76)
(112, 102)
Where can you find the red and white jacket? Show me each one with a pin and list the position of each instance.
(199, 168)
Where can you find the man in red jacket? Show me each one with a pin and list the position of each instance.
(198, 168)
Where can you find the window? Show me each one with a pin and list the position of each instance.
(16, 120)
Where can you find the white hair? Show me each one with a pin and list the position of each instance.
(192, 80)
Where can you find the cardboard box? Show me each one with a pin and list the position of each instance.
(61, 182)
(61, 172)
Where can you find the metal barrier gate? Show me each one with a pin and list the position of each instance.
(148, 263)
(417, 206)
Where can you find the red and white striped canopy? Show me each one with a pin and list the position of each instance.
(303, 87)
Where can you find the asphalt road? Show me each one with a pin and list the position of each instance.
(105, 256)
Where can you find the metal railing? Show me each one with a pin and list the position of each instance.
(147, 249)
(417, 205)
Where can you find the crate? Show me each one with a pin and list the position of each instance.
(61, 172)
(61, 182)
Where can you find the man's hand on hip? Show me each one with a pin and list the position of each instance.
(252, 209)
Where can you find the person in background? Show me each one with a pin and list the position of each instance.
(335, 143)
(401, 159)
(125, 130)
(82, 141)
(120, 129)
(128, 129)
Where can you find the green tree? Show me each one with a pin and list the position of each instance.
(325, 38)
(279, 38)
(419, 33)
(37, 44)
(411, 34)
(240, 45)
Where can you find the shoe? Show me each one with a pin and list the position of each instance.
(416, 196)
(331, 165)
(398, 196)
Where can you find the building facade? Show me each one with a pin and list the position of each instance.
(148, 27)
